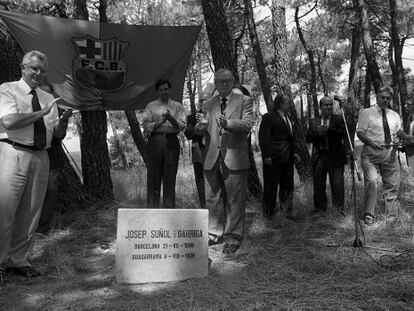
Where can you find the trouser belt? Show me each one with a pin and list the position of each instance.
(15, 144)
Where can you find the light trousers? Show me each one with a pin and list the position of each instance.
(375, 163)
(226, 201)
(23, 183)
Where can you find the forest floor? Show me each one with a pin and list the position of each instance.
(306, 264)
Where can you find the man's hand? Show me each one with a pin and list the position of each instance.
(402, 135)
(223, 121)
(167, 115)
(201, 118)
(375, 146)
(158, 120)
(267, 161)
(49, 106)
(322, 130)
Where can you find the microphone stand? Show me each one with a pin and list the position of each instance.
(354, 169)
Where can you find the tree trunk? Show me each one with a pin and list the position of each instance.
(309, 105)
(350, 108)
(81, 10)
(136, 133)
(301, 107)
(199, 74)
(398, 50)
(10, 57)
(117, 142)
(281, 63)
(372, 64)
(71, 193)
(309, 51)
(320, 73)
(95, 155)
(191, 85)
(219, 36)
(395, 85)
(260, 65)
(367, 89)
(94, 148)
(223, 57)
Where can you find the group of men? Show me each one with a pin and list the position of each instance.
(219, 131)
(379, 128)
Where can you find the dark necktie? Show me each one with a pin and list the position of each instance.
(324, 145)
(287, 123)
(387, 133)
(39, 128)
(223, 105)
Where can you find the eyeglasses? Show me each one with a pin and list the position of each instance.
(36, 70)
(223, 81)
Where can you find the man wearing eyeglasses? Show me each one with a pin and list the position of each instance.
(377, 128)
(30, 119)
(226, 125)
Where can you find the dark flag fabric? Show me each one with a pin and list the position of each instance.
(103, 66)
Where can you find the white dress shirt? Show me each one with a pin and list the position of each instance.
(15, 98)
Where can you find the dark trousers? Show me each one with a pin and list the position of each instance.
(163, 155)
(274, 176)
(199, 179)
(322, 168)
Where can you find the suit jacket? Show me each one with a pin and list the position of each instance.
(231, 142)
(275, 138)
(336, 136)
(197, 140)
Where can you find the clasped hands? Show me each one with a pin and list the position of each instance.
(322, 130)
(201, 118)
(166, 116)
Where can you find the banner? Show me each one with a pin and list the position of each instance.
(95, 65)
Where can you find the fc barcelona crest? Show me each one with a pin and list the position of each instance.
(99, 64)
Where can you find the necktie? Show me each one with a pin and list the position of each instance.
(288, 124)
(324, 145)
(223, 105)
(387, 133)
(39, 128)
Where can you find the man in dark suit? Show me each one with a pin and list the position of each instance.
(277, 145)
(327, 135)
(226, 125)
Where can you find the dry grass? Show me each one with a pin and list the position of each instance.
(304, 265)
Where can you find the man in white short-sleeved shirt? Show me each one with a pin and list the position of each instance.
(29, 119)
(377, 128)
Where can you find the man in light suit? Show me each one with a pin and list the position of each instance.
(226, 124)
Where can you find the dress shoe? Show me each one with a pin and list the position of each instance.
(368, 219)
(230, 248)
(26, 271)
